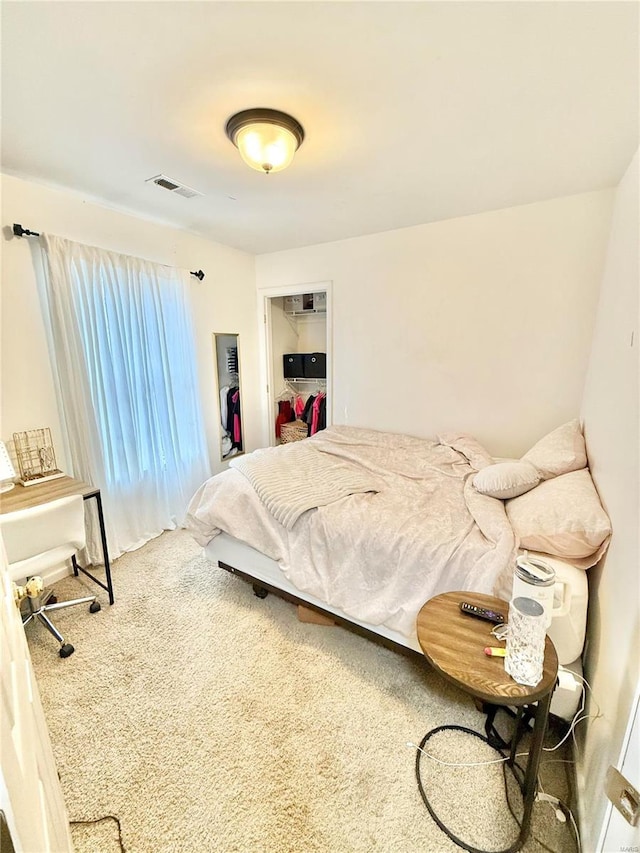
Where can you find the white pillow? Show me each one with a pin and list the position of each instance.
(506, 479)
(562, 516)
(560, 452)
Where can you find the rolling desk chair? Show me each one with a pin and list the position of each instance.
(39, 538)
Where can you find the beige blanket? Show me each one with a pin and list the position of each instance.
(378, 556)
(294, 478)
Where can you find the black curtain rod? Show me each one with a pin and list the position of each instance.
(19, 231)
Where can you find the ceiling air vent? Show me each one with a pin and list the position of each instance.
(173, 186)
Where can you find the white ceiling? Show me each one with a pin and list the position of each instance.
(413, 112)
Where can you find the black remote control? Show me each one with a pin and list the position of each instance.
(481, 612)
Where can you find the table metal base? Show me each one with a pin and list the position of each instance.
(527, 786)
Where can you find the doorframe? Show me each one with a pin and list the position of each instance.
(31, 796)
(267, 393)
(620, 765)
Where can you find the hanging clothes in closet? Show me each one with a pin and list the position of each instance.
(285, 415)
(298, 406)
(225, 444)
(234, 421)
(290, 408)
(315, 413)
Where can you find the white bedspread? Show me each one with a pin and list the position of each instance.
(378, 556)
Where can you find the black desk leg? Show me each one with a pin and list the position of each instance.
(533, 764)
(105, 552)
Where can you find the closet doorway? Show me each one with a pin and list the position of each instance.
(297, 358)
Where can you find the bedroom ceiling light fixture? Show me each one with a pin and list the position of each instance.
(266, 139)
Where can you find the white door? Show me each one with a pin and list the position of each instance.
(618, 833)
(30, 792)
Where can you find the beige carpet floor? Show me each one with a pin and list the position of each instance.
(206, 719)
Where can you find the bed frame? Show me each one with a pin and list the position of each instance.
(266, 576)
(262, 589)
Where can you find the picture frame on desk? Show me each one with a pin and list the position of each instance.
(36, 456)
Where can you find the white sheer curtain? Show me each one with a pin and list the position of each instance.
(125, 361)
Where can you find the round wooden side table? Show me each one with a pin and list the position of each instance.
(454, 644)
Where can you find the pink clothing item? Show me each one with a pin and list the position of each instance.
(237, 432)
(298, 406)
(315, 413)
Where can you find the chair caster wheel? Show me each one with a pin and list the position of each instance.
(260, 591)
(94, 607)
(53, 599)
(67, 650)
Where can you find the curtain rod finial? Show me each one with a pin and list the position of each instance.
(198, 274)
(19, 231)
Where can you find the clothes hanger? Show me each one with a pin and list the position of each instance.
(287, 393)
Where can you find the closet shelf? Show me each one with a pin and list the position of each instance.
(302, 379)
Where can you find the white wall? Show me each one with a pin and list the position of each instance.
(284, 338)
(224, 302)
(481, 323)
(610, 413)
(486, 320)
(312, 332)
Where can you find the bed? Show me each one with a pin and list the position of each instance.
(365, 526)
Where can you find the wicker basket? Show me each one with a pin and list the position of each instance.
(295, 431)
